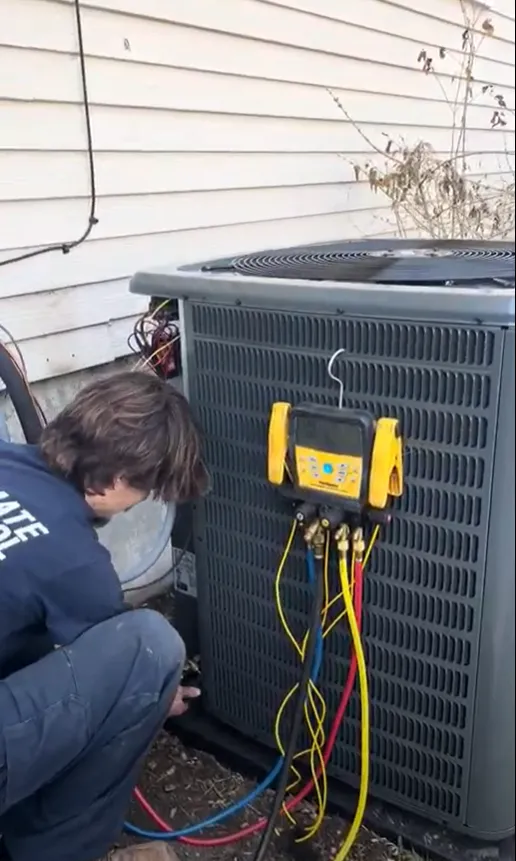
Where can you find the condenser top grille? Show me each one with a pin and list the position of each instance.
(377, 261)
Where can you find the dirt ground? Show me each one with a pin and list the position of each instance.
(186, 786)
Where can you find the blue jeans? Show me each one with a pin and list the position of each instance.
(75, 728)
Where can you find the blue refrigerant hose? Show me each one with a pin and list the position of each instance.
(269, 780)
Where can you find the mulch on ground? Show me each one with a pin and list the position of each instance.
(186, 786)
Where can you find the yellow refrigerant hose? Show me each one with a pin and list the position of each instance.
(315, 704)
(354, 831)
(317, 732)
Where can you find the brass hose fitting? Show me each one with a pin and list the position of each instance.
(318, 543)
(311, 531)
(342, 539)
(359, 547)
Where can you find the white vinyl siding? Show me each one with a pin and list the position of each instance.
(214, 132)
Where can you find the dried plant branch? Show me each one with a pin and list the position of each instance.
(436, 195)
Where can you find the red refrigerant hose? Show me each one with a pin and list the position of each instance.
(251, 830)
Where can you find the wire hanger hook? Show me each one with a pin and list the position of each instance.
(335, 378)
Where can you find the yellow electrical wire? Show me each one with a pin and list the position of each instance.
(354, 831)
(149, 317)
(315, 701)
(144, 362)
(156, 311)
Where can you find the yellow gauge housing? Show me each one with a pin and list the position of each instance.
(333, 456)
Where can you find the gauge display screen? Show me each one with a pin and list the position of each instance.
(334, 437)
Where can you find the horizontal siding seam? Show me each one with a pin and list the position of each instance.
(52, 291)
(291, 218)
(495, 37)
(162, 20)
(401, 8)
(84, 328)
(338, 153)
(340, 119)
(114, 241)
(168, 192)
(247, 76)
(126, 277)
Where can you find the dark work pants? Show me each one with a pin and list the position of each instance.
(74, 729)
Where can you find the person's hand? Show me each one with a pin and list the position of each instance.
(182, 699)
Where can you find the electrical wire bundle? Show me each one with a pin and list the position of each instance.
(310, 702)
(155, 338)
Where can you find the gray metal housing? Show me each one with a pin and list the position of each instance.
(439, 616)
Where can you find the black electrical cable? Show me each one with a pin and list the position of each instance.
(304, 684)
(66, 247)
(21, 367)
(17, 389)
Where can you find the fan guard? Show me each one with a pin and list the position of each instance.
(394, 262)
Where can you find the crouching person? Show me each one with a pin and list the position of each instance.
(85, 682)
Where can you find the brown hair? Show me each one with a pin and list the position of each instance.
(133, 426)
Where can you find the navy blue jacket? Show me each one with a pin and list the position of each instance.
(55, 576)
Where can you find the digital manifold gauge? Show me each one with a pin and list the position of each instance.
(336, 457)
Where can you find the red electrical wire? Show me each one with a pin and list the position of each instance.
(330, 744)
